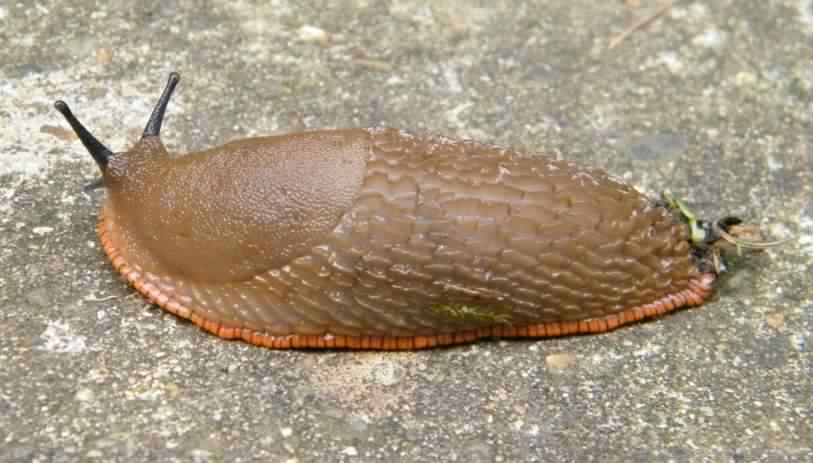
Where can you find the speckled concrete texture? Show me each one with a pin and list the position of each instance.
(712, 100)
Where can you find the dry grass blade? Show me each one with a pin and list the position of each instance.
(749, 244)
(643, 22)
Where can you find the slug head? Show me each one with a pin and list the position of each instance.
(147, 146)
(228, 213)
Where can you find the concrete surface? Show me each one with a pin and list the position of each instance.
(713, 100)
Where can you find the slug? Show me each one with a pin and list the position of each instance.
(380, 239)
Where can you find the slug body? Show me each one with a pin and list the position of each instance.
(374, 238)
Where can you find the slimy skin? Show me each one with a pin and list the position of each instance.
(379, 239)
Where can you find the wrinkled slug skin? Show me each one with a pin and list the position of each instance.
(375, 232)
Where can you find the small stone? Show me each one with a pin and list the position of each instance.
(309, 33)
(387, 373)
(799, 342)
(40, 231)
(560, 361)
(286, 432)
(266, 441)
(58, 337)
(85, 395)
(672, 61)
(710, 38)
(104, 55)
(745, 79)
(698, 11)
(350, 451)
(775, 320)
(200, 455)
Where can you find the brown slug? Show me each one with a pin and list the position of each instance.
(378, 239)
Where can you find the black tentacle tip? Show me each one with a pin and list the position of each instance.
(172, 82)
(62, 107)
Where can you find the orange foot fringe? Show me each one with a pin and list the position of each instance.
(699, 289)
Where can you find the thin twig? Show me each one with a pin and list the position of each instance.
(101, 299)
(750, 244)
(374, 64)
(641, 23)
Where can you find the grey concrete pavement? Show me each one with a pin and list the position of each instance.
(713, 100)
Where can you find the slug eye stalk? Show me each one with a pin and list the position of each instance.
(101, 154)
(153, 128)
